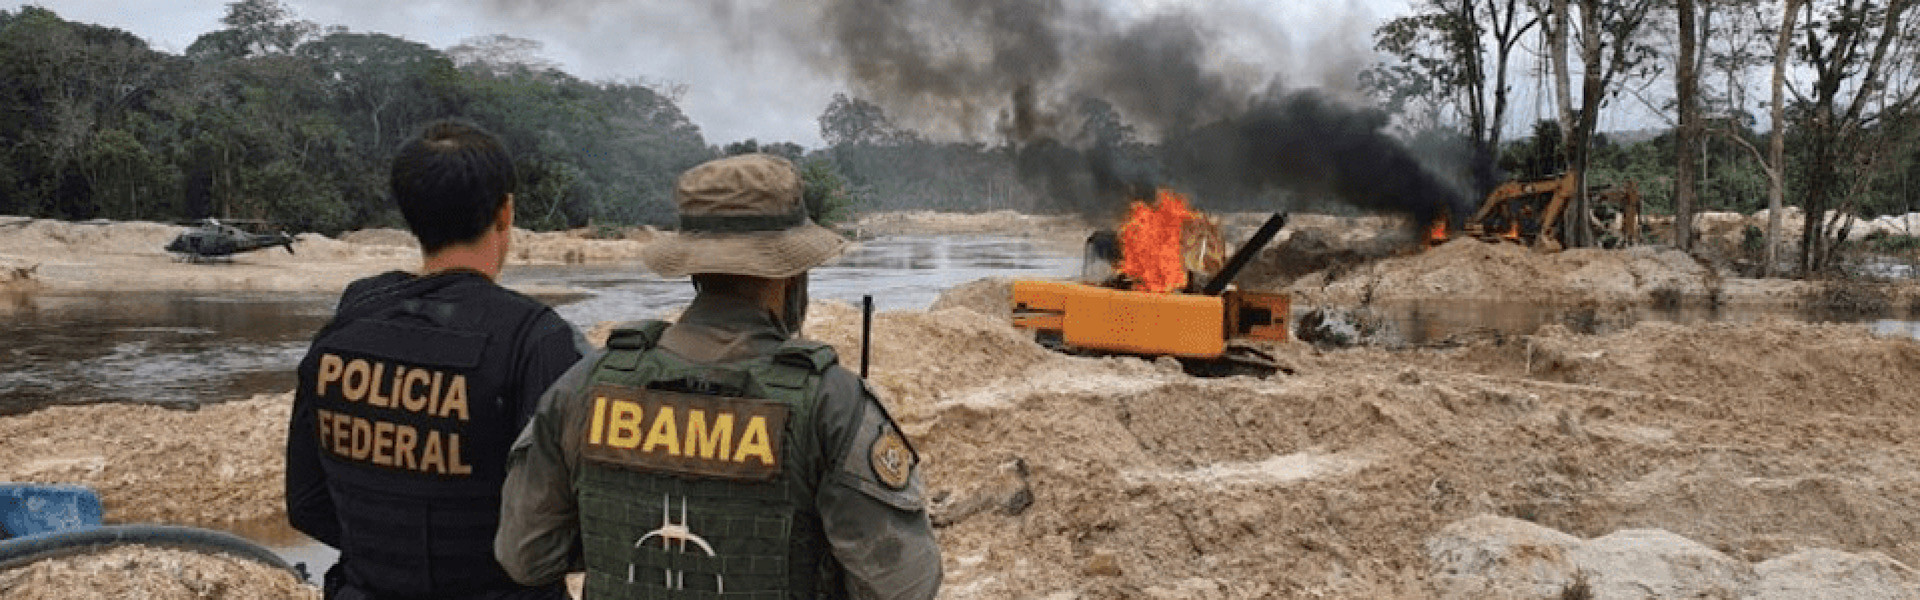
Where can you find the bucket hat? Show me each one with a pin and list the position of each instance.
(742, 215)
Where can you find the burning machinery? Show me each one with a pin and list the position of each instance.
(1529, 212)
(1152, 308)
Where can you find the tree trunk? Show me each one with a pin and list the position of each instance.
(1687, 86)
(1579, 141)
(1557, 48)
(1777, 143)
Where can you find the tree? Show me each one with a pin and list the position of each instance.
(1687, 90)
(1441, 50)
(392, 82)
(852, 121)
(1610, 49)
(500, 54)
(265, 27)
(1777, 140)
(1861, 81)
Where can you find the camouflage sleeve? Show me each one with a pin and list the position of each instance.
(539, 536)
(871, 499)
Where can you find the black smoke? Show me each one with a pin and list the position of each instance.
(1099, 101)
(1044, 62)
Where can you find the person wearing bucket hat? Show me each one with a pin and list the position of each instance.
(721, 456)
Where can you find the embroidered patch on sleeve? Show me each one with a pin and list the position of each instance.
(892, 461)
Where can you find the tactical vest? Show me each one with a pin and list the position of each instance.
(410, 383)
(676, 497)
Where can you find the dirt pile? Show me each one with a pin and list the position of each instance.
(220, 465)
(124, 256)
(1123, 478)
(1466, 269)
(575, 247)
(1126, 478)
(999, 222)
(150, 573)
(35, 236)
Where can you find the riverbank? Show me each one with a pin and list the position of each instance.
(1323, 260)
(48, 255)
(1061, 476)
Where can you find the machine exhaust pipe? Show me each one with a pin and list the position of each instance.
(1245, 255)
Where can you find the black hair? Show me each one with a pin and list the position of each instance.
(450, 182)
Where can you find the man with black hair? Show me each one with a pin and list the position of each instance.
(409, 398)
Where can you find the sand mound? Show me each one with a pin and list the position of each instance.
(999, 222)
(571, 247)
(149, 573)
(919, 358)
(992, 296)
(1121, 477)
(1466, 269)
(38, 236)
(381, 237)
(219, 465)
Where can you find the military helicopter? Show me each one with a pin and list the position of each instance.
(211, 239)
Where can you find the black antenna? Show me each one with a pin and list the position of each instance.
(866, 331)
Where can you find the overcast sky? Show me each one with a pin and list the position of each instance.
(737, 86)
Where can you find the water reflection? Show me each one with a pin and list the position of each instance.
(163, 348)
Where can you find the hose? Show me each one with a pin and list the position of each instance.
(20, 552)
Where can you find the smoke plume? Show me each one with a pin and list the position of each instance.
(1102, 101)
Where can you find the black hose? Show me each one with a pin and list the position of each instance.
(20, 552)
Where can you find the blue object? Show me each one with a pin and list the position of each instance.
(36, 508)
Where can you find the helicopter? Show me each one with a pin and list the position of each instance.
(210, 239)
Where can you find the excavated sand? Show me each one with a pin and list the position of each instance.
(999, 222)
(1059, 476)
(148, 573)
(218, 466)
(1470, 270)
(128, 256)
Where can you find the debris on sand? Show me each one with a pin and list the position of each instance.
(219, 465)
(152, 573)
(16, 274)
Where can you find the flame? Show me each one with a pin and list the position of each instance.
(1150, 243)
(1437, 233)
(1513, 231)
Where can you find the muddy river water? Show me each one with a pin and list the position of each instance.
(186, 348)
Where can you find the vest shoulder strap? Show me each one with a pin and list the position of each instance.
(813, 356)
(630, 341)
(636, 335)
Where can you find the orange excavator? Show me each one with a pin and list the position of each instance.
(1197, 320)
(1529, 212)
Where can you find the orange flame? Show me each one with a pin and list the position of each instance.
(1513, 231)
(1437, 234)
(1150, 243)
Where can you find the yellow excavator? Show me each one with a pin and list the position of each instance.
(1529, 212)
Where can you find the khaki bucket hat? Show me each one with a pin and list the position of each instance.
(742, 215)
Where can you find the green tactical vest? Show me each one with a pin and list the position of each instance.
(677, 496)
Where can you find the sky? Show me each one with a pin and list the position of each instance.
(737, 87)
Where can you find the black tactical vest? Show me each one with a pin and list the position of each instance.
(410, 385)
(697, 481)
